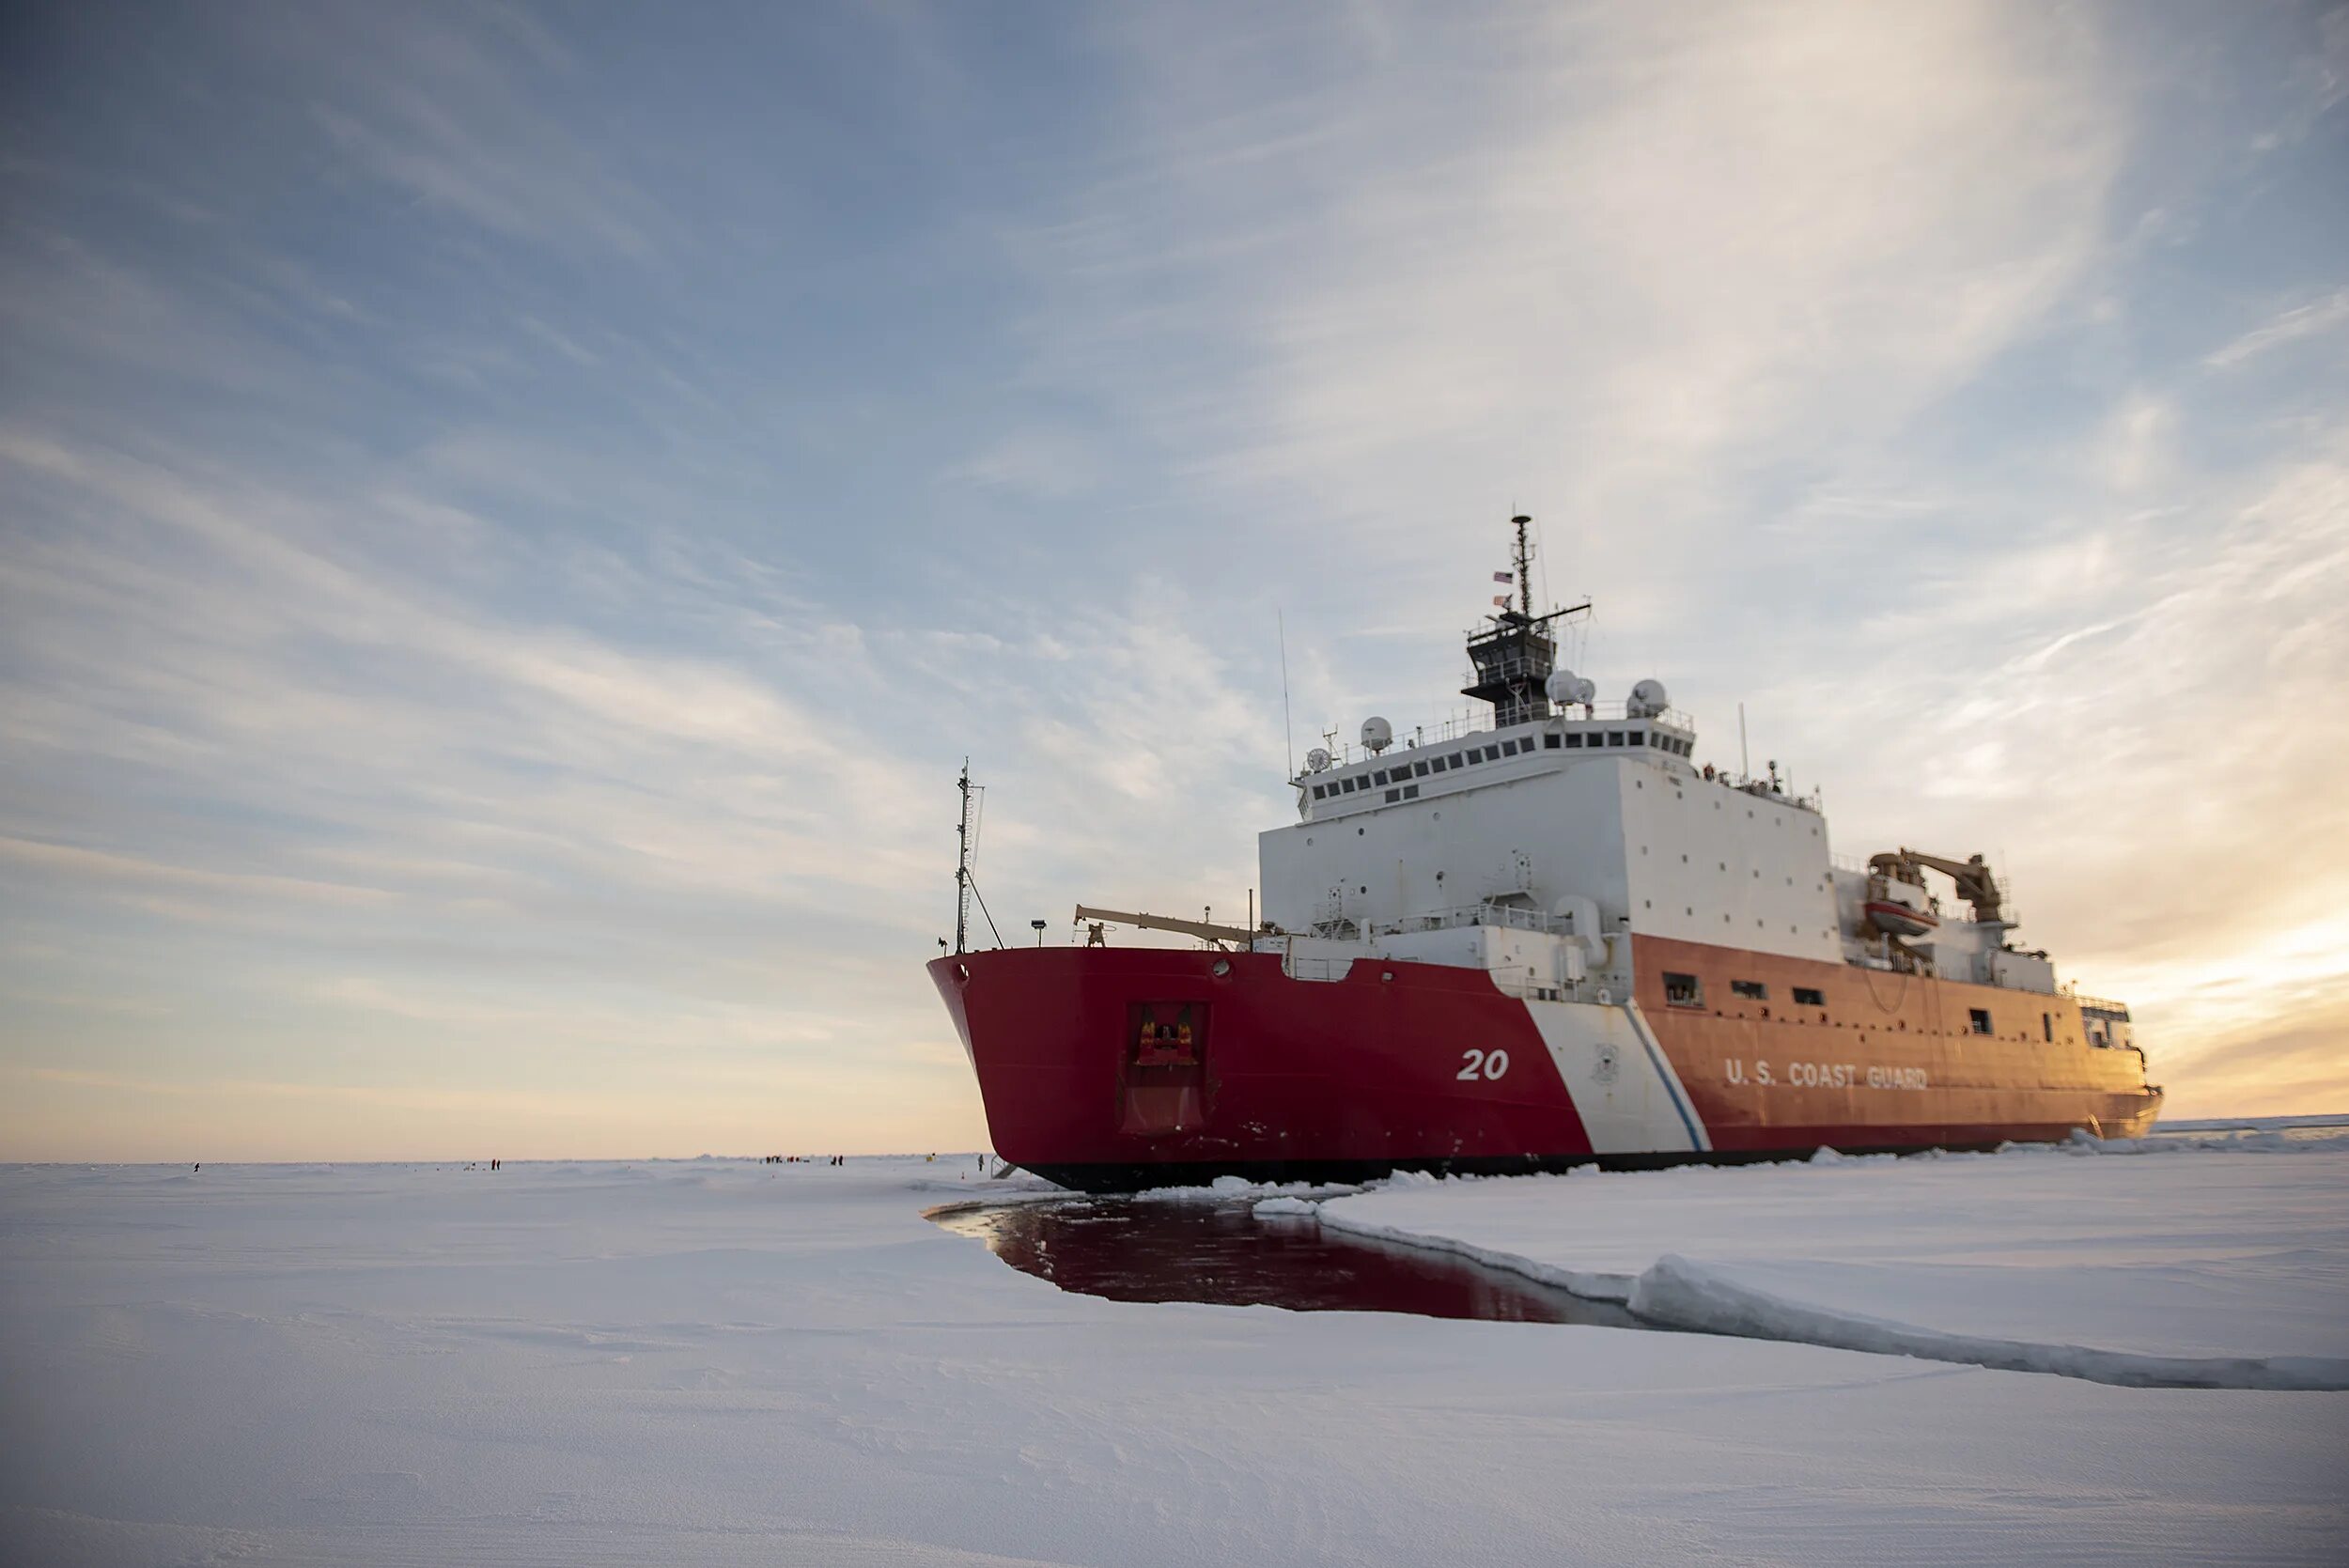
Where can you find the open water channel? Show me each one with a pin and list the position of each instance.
(1130, 1250)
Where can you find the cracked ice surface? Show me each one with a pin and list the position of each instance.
(2225, 1262)
(725, 1362)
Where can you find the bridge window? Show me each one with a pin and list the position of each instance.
(1683, 990)
(1614, 737)
(2046, 1026)
(1979, 1018)
(1574, 742)
(1392, 796)
(1550, 741)
(1410, 792)
(1806, 997)
(1420, 770)
(1753, 990)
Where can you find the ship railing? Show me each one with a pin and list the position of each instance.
(1511, 665)
(1613, 712)
(1515, 917)
(1461, 726)
(2097, 1005)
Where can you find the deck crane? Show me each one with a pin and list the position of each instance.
(1975, 883)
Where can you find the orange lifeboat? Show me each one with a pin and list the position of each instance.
(1899, 919)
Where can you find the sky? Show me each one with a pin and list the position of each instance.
(511, 516)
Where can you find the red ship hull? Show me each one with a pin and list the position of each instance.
(1118, 1069)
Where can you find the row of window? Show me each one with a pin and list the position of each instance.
(1978, 1019)
(1595, 739)
(1688, 990)
(1383, 778)
(1422, 767)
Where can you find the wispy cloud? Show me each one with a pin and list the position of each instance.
(2309, 320)
(501, 554)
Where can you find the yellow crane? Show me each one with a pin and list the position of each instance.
(1975, 883)
(1199, 928)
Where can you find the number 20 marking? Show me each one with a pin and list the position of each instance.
(1482, 1064)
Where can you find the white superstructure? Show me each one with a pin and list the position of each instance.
(1603, 816)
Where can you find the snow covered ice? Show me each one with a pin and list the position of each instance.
(725, 1361)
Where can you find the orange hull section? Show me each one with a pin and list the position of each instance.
(1764, 1073)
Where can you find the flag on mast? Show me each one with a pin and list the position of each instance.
(1504, 577)
(1501, 601)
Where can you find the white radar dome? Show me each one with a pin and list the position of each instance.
(1316, 760)
(1565, 686)
(1377, 734)
(1648, 699)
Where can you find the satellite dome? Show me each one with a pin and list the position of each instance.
(1315, 760)
(1377, 734)
(1648, 699)
(1565, 686)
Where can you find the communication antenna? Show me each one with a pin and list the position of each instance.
(1542, 555)
(1745, 762)
(1288, 731)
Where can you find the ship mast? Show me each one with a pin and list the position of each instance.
(962, 863)
(1525, 569)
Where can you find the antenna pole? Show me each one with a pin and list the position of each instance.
(1745, 761)
(962, 863)
(1288, 733)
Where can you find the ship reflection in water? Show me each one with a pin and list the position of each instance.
(1129, 1250)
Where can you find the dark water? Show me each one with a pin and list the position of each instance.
(1221, 1253)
